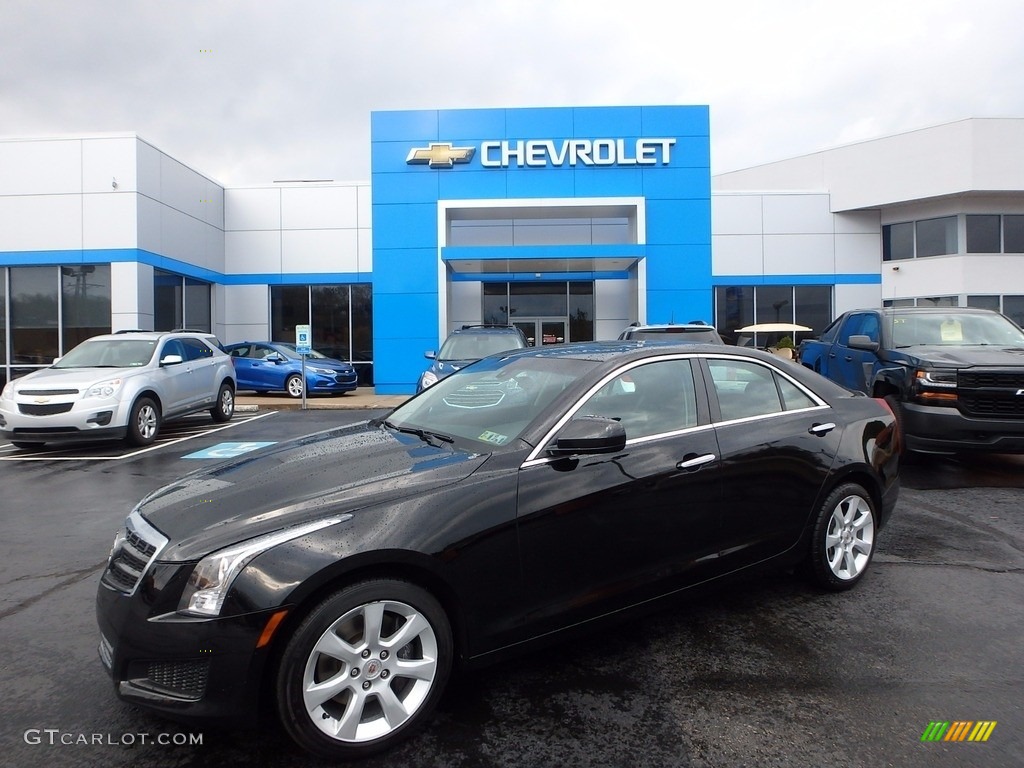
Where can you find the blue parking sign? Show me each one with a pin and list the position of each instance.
(302, 339)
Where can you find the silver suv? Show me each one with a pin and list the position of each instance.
(120, 385)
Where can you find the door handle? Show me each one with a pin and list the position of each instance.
(696, 462)
(822, 429)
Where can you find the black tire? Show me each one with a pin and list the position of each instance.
(897, 410)
(293, 385)
(26, 446)
(144, 422)
(225, 407)
(365, 667)
(843, 540)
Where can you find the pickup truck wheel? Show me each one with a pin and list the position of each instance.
(897, 410)
(843, 541)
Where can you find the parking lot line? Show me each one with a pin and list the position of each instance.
(131, 454)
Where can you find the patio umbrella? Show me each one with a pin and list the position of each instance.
(773, 328)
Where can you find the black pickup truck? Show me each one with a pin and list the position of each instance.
(953, 376)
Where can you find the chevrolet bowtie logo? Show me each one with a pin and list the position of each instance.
(440, 155)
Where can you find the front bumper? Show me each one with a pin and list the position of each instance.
(332, 383)
(931, 429)
(185, 668)
(82, 420)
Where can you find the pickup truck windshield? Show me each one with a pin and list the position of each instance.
(954, 329)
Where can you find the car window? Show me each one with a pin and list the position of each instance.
(242, 351)
(474, 346)
(173, 347)
(262, 352)
(649, 399)
(195, 349)
(744, 389)
(865, 323)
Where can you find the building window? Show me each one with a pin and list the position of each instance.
(565, 225)
(1013, 308)
(938, 301)
(983, 234)
(527, 305)
(936, 237)
(1013, 234)
(897, 242)
(340, 319)
(737, 306)
(180, 302)
(983, 302)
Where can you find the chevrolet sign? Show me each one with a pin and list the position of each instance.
(535, 153)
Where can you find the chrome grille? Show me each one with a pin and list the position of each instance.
(134, 550)
(477, 396)
(46, 392)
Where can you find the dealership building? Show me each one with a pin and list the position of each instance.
(570, 223)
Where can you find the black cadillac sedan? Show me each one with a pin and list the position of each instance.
(340, 577)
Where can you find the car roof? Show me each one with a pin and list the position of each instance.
(603, 351)
(672, 327)
(486, 329)
(149, 335)
(929, 310)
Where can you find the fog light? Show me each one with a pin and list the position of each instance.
(100, 419)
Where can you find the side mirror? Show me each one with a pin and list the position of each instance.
(590, 434)
(430, 354)
(170, 360)
(859, 341)
(274, 358)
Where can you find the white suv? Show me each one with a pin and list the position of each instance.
(121, 385)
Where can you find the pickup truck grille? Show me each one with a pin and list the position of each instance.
(992, 393)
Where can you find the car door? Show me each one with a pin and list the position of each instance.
(853, 367)
(266, 369)
(203, 364)
(776, 442)
(175, 377)
(602, 532)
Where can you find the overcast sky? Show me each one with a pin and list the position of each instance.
(249, 91)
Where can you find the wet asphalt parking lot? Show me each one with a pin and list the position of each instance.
(762, 673)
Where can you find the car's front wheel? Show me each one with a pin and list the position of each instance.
(293, 386)
(843, 541)
(365, 669)
(225, 407)
(144, 422)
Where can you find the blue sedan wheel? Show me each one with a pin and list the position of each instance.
(294, 385)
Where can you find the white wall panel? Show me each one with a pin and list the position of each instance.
(610, 328)
(187, 239)
(148, 222)
(803, 214)
(858, 253)
(736, 215)
(252, 209)
(465, 305)
(319, 250)
(104, 160)
(849, 297)
(247, 305)
(612, 301)
(41, 223)
(318, 207)
(147, 173)
(365, 205)
(131, 296)
(252, 252)
(737, 254)
(365, 250)
(799, 254)
(858, 222)
(109, 220)
(40, 167)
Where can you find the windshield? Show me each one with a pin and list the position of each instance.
(109, 353)
(955, 330)
(491, 402)
(473, 346)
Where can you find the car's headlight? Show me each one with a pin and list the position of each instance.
(8, 391)
(212, 577)
(314, 369)
(936, 387)
(428, 379)
(107, 388)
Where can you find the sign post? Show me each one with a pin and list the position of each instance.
(302, 346)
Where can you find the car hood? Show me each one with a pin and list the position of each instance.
(963, 357)
(334, 365)
(334, 472)
(70, 378)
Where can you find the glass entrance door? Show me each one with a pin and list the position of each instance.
(546, 330)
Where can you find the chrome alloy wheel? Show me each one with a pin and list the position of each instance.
(850, 538)
(147, 421)
(370, 671)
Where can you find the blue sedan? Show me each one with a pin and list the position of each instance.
(266, 366)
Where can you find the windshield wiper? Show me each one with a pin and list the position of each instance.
(423, 434)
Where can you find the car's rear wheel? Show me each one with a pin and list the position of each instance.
(144, 422)
(843, 541)
(365, 669)
(293, 386)
(225, 407)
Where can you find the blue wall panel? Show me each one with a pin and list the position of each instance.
(675, 121)
(404, 226)
(678, 221)
(607, 122)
